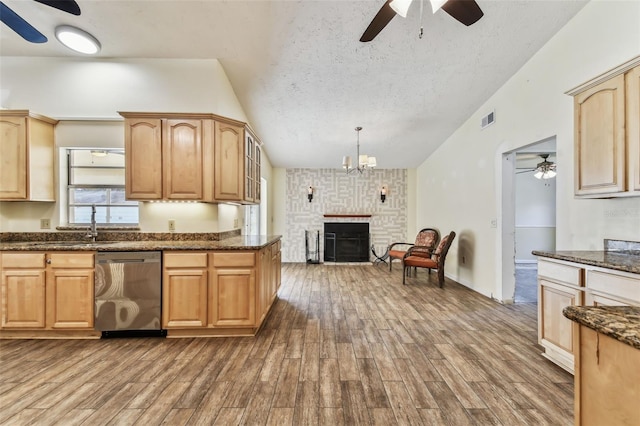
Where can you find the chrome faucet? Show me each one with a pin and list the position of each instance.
(93, 231)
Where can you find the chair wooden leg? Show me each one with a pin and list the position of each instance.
(404, 274)
(441, 277)
(390, 263)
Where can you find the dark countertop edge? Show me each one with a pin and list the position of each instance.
(614, 321)
(585, 257)
(234, 243)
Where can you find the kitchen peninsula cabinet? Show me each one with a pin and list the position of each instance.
(237, 163)
(219, 293)
(606, 388)
(26, 156)
(46, 292)
(184, 290)
(233, 285)
(168, 156)
(607, 134)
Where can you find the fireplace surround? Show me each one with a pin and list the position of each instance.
(346, 242)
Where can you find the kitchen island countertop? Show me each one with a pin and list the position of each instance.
(619, 322)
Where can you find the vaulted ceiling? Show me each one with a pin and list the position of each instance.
(304, 78)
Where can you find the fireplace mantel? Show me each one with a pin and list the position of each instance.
(345, 215)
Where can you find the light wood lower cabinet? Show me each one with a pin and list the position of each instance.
(219, 292)
(604, 287)
(184, 290)
(233, 297)
(560, 284)
(46, 291)
(607, 389)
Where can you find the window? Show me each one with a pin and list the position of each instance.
(97, 177)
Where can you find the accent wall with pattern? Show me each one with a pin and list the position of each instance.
(336, 192)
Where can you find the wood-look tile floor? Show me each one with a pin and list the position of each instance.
(342, 345)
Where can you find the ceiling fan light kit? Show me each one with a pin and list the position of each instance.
(400, 7)
(545, 169)
(465, 11)
(28, 31)
(365, 162)
(77, 40)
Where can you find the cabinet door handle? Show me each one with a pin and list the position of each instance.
(48, 261)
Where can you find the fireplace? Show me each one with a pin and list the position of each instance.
(346, 242)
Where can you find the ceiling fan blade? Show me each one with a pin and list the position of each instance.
(20, 26)
(466, 11)
(382, 18)
(69, 6)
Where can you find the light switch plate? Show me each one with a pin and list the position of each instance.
(172, 225)
(45, 224)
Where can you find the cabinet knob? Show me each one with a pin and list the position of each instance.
(48, 261)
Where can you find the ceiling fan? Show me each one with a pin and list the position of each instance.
(466, 11)
(28, 31)
(543, 170)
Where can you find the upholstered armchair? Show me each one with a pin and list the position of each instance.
(426, 241)
(435, 261)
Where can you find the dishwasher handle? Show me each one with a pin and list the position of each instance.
(127, 260)
(128, 257)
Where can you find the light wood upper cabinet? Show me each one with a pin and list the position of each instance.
(26, 156)
(607, 134)
(182, 159)
(44, 291)
(229, 158)
(168, 156)
(199, 157)
(143, 158)
(600, 138)
(237, 163)
(633, 127)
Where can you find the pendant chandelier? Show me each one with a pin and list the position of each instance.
(365, 162)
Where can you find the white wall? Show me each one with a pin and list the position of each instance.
(84, 92)
(464, 174)
(535, 221)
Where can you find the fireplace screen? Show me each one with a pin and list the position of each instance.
(346, 242)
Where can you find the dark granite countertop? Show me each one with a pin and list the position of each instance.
(620, 322)
(618, 260)
(244, 242)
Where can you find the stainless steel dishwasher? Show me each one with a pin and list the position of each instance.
(128, 294)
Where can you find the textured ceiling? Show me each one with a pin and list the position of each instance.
(304, 79)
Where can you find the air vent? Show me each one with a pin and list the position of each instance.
(488, 120)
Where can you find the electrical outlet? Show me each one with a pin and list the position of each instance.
(235, 222)
(172, 225)
(45, 224)
(494, 223)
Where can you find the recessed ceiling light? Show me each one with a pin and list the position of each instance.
(77, 39)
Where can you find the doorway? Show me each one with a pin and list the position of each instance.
(529, 218)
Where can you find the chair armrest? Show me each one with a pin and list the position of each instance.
(398, 244)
